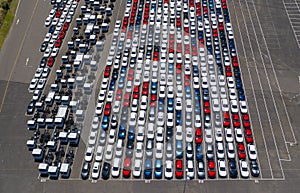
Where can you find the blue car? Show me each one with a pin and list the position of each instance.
(148, 169)
(105, 122)
(158, 169)
(122, 132)
(131, 134)
(179, 149)
(199, 153)
(170, 105)
(154, 85)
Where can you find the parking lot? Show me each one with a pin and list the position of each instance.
(163, 100)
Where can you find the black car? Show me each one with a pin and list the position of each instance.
(254, 168)
(43, 47)
(106, 170)
(232, 169)
(85, 171)
(30, 108)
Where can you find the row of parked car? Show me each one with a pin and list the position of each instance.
(58, 114)
(158, 57)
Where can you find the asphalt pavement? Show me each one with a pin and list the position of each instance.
(268, 55)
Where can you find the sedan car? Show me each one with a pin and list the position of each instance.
(106, 170)
(96, 170)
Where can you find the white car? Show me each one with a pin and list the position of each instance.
(178, 104)
(48, 21)
(95, 123)
(99, 109)
(215, 105)
(150, 131)
(38, 73)
(230, 82)
(137, 168)
(204, 82)
(134, 105)
(92, 138)
(234, 106)
(104, 83)
(189, 134)
(102, 95)
(36, 95)
(159, 134)
(243, 107)
(230, 150)
(119, 148)
(132, 121)
(244, 169)
(198, 121)
(190, 169)
(116, 107)
(109, 152)
(112, 136)
(170, 120)
(220, 150)
(162, 92)
(99, 153)
(142, 118)
(160, 119)
(159, 150)
(188, 106)
(139, 150)
(223, 92)
(41, 84)
(96, 170)
(89, 153)
(218, 135)
(252, 152)
(222, 169)
(225, 105)
(232, 94)
(228, 135)
(144, 103)
(170, 92)
(115, 170)
(179, 91)
(238, 135)
(110, 96)
(46, 72)
(196, 83)
(221, 80)
(208, 135)
(33, 84)
(169, 169)
(54, 52)
(140, 134)
(179, 134)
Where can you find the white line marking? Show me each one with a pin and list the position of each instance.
(18, 20)
(26, 62)
(251, 82)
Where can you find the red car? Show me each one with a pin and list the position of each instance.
(145, 88)
(153, 97)
(119, 94)
(179, 169)
(211, 170)
(107, 71)
(235, 116)
(236, 124)
(58, 43)
(107, 109)
(241, 151)
(62, 35)
(51, 61)
(136, 92)
(127, 168)
(198, 136)
(126, 102)
(65, 26)
(245, 117)
(246, 124)
(248, 135)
